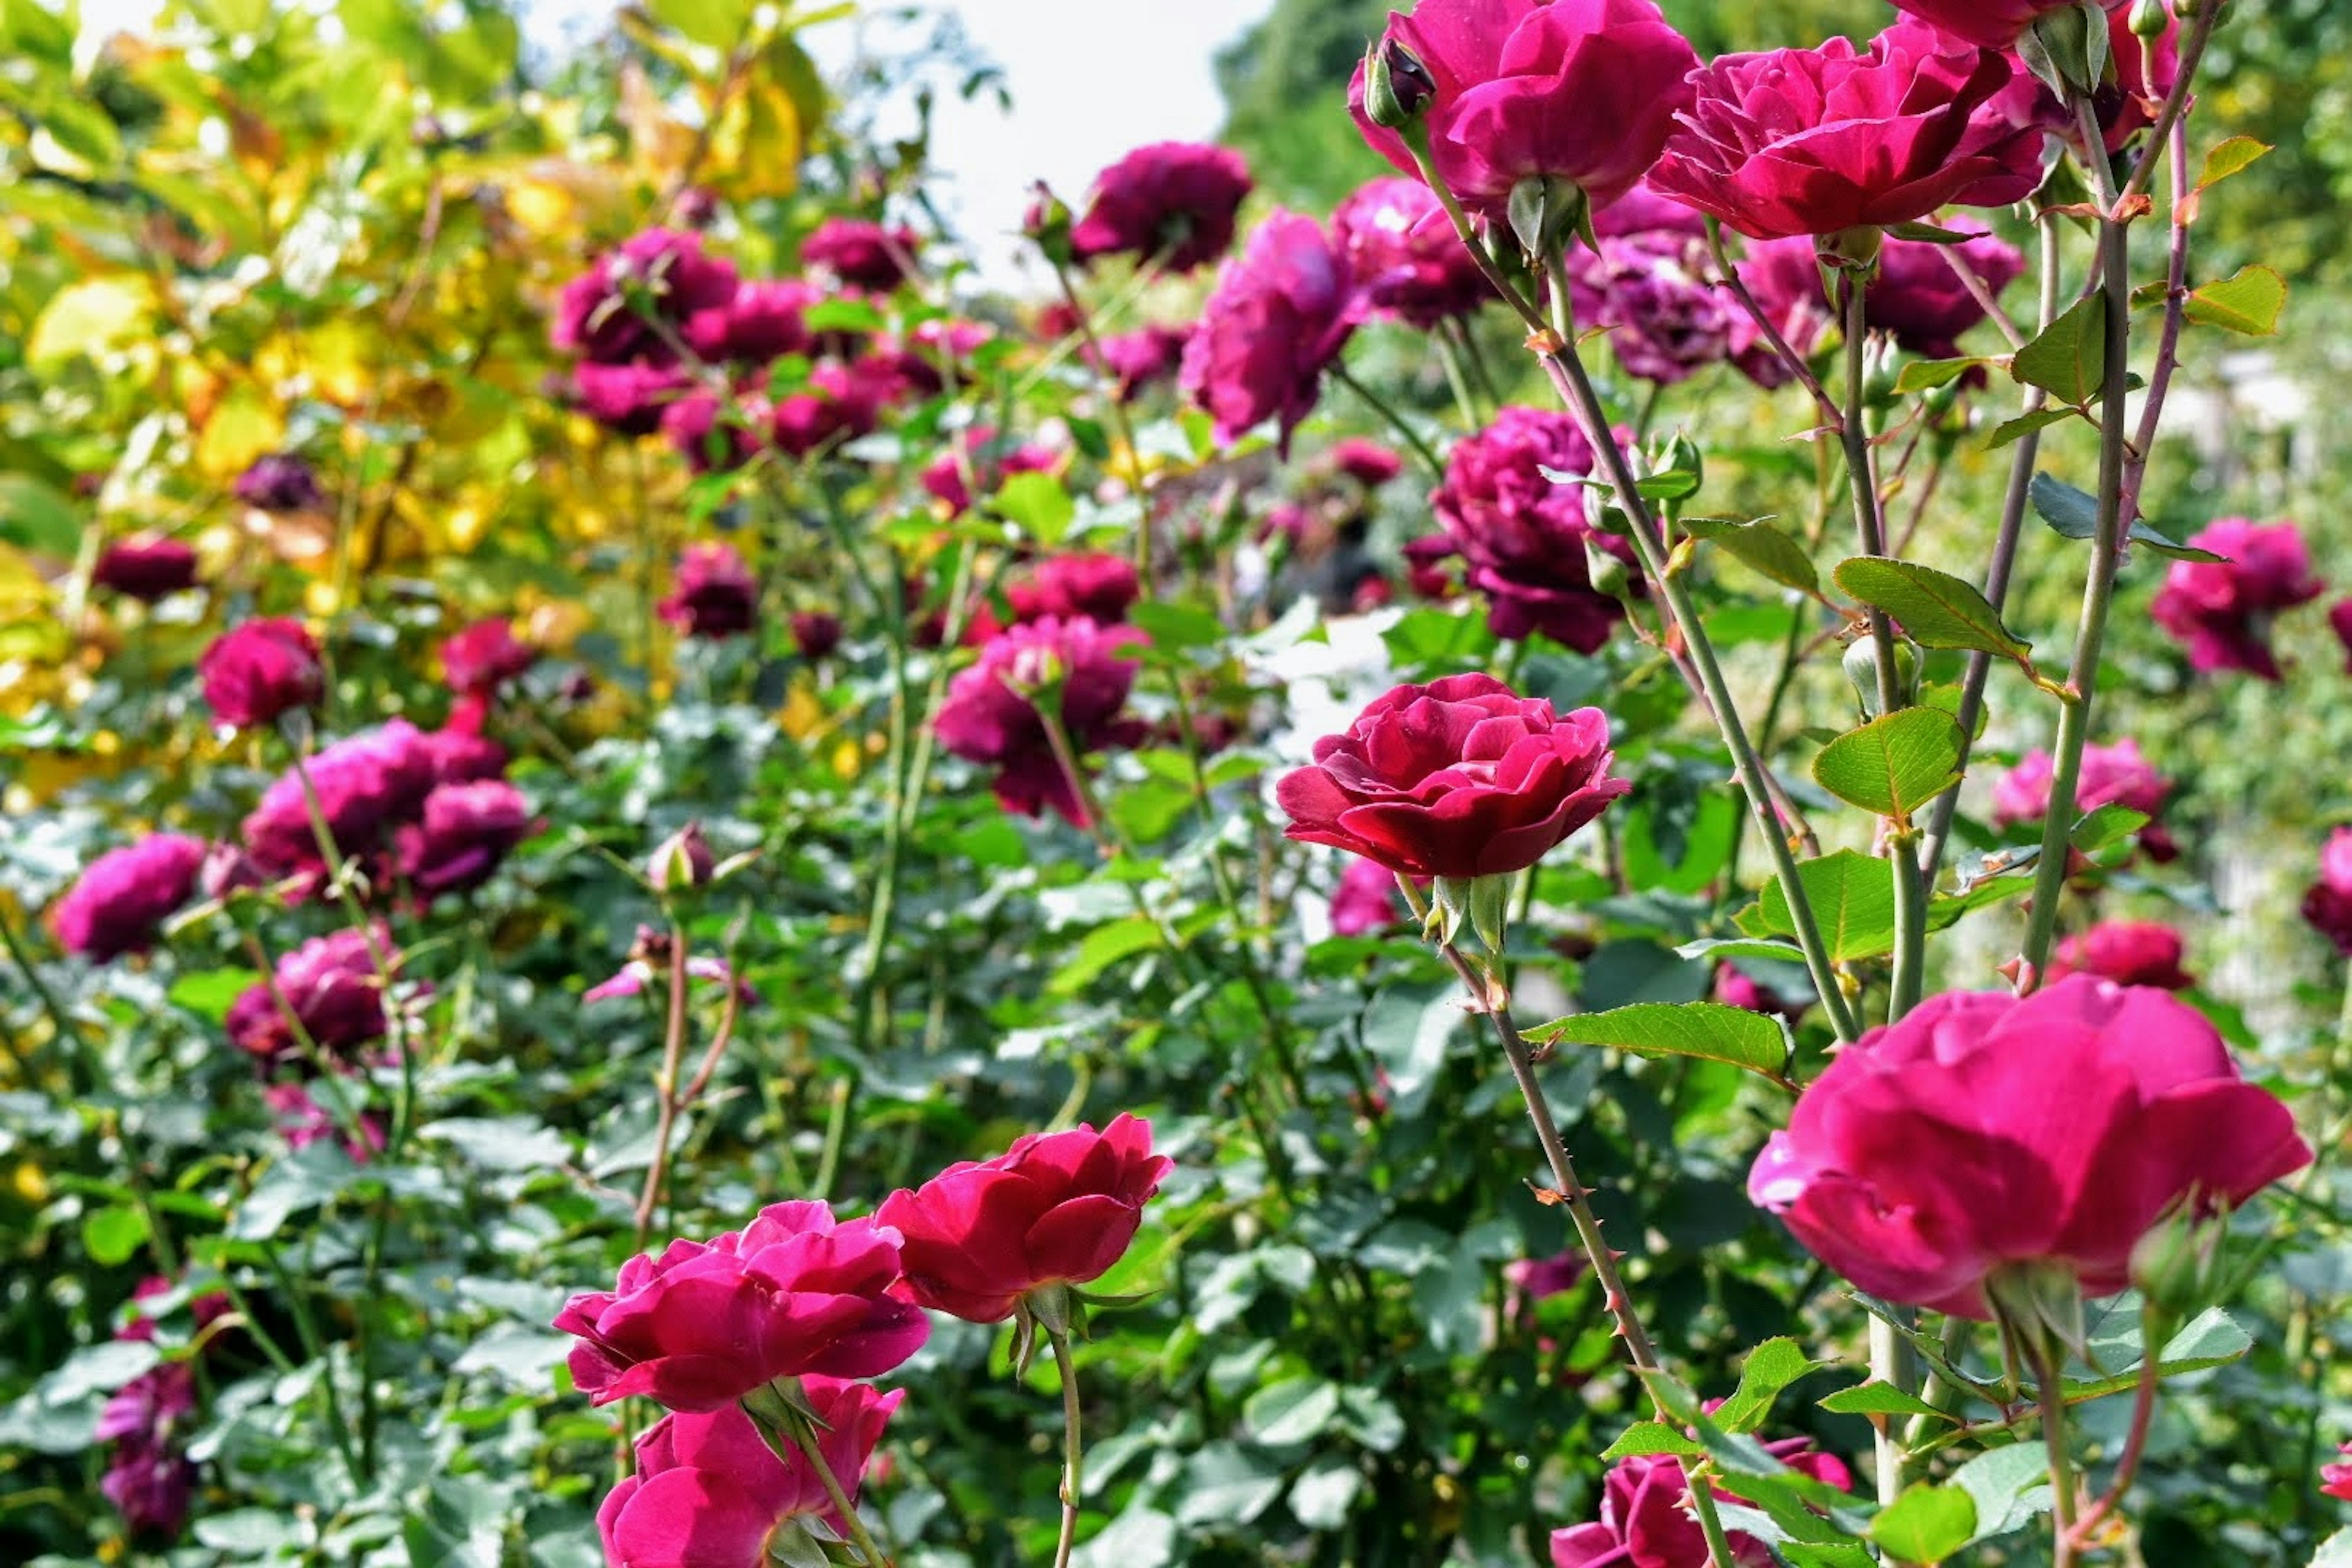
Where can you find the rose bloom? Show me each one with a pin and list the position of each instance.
(1784, 278)
(1664, 322)
(280, 481)
(637, 297)
(2335, 1480)
(1645, 1521)
(330, 984)
(1414, 266)
(2221, 609)
(1985, 1133)
(989, 716)
(366, 785)
(714, 595)
(484, 657)
(461, 756)
(1368, 463)
(1919, 302)
(1735, 987)
(1141, 358)
(150, 1487)
(1462, 777)
(1578, 90)
(627, 399)
(2110, 776)
(1281, 312)
(765, 320)
(467, 829)
(1816, 141)
(122, 898)
(838, 404)
(1993, 23)
(1101, 587)
(258, 669)
(2129, 952)
(710, 1492)
(861, 253)
(146, 568)
(2339, 621)
(1172, 201)
(815, 633)
(706, 1322)
(1057, 1208)
(2327, 904)
(302, 1122)
(711, 438)
(993, 459)
(1522, 537)
(1366, 900)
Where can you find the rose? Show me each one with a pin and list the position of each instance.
(258, 669)
(706, 1322)
(714, 596)
(991, 713)
(330, 985)
(1521, 536)
(1817, 141)
(467, 829)
(837, 403)
(815, 633)
(1985, 1134)
(1413, 266)
(2339, 621)
(1171, 200)
(302, 1122)
(1993, 23)
(1281, 312)
(2110, 776)
(484, 657)
(1665, 323)
(1784, 278)
(862, 254)
(121, 900)
(1099, 586)
(713, 436)
(1368, 463)
(1459, 778)
(2129, 952)
(1057, 1208)
(1366, 899)
(634, 300)
(461, 756)
(1140, 358)
(2327, 904)
(280, 481)
(2221, 609)
(1580, 91)
(627, 399)
(992, 458)
(146, 568)
(765, 320)
(2335, 1480)
(710, 1492)
(1645, 1523)
(365, 785)
(1735, 987)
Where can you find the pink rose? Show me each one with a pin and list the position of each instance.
(1101, 587)
(837, 403)
(1174, 201)
(484, 657)
(330, 985)
(121, 900)
(706, 1322)
(1281, 312)
(1665, 323)
(1400, 244)
(2221, 609)
(256, 670)
(765, 320)
(1141, 358)
(2110, 776)
(1646, 1519)
(2129, 952)
(862, 254)
(637, 297)
(628, 399)
(366, 784)
(467, 829)
(714, 595)
(1368, 463)
(990, 716)
(993, 459)
(1366, 900)
(2327, 904)
(1984, 1132)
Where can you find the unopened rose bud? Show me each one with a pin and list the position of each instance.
(682, 860)
(1861, 664)
(2177, 1265)
(1397, 86)
(1046, 225)
(1607, 572)
(2148, 18)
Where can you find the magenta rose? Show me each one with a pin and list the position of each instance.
(1583, 91)
(330, 985)
(861, 253)
(484, 657)
(991, 714)
(1366, 900)
(467, 830)
(122, 898)
(1141, 358)
(2129, 952)
(1992, 24)
(2339, 621)
(1646, 1519)
(1414, 267)
(1984, 1133)
(765, 320)
(280, 481)
(2327, 904)
(255, 671)
(991, 458)
(150, 1487)
(637, 298)
(1817, 141)
(2110, 776)
(714, 595)
(460, 756)
(302, 1122)
(146, 568)
(1521, 536)
(628, 399)
(837, 403)
(706, 1322)
(1172, 201)
(2222, 610)
(1919, 302)
(1462, 777)
(815, 633)
(1784, 278)
(1281, 312)
(1099, 586)
(1368, 463)
(1057, 1208)
(710, 1492)
(366, 785)
(1665, 323)
(1735, 987)
(712, 438)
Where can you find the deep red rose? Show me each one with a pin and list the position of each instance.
(1816, 141)
(815, 633)
(2327, 904)
(1413, 266)
(1578, 90)
(332, 985)
(122, 898)
(467, 829)
(2129, 952)
(258, 670)
(837, 403)
(990, 716)
(484, 657)
(1141, 358)
(2223, 609)
(146, 568)
(1646, 1519)
(715, 593)
(1057, 1208)
(1985, 1132)
(862, 254)
(1172, 200)
(1099, 586)
(706, 1322)
(765, 320)
(1281, 312)
(1462, 777)
(1368, 463)
(637, 297)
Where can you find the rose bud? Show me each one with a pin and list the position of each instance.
(682, 860)
(146, 568)
(1172, 202)
(121, 900)
(256, 672)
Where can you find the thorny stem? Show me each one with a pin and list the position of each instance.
(1727, 277)
(2134, 1438)
(1072, 1452)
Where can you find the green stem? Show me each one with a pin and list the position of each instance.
(804, 1436)
(1891, 1363)
(666, 1101)
(1072, 1451)
(79, 1075)
(2052, 1392)
(1394, 420)
(1449, 354)
(1117, 412)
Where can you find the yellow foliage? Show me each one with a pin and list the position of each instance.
(92, 318)
(244, 425)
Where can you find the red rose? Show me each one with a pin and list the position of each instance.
(331, 986)
(2221, 609)
(1579, 90)
(1994, 23)
(253, 672)
(1815, 142)
(1140, 358)
(815, 633)
(121, 899)
(483, 657)
(146, 568)
(652, 285)
(715, 595)
(1056, 1208)
(1460, 778)
(1414, 266)
(1281, 311)
(764, 321)
(862, 254)
(467, 829)
(627, 399)
(990, 712)
(1172, 200)
(2129, 952)
(1099, 586)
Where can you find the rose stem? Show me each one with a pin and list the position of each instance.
(1071, 1451)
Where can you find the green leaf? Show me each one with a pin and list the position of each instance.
(1721, 947)
(1675, 484)
(1322, 1498)
(1760, 546)
(113, 1234)
(1931, 234)
(1927, 374)
(1937, 609)
(1893, 765)
(1994, 1480)
(1771, 1367)
(2231, 157)
(1292, 1412)
(1644, 1439)
(2074, 514)
(2109, 825)
(209, 993)
(2008, 430)
(1707, 1030)
(1104, 946)
(1038, 503)
(1926, 1523)
(35, 517)
(1853, 898)
(1881, 1399)
(2249, 301)
(1176, 627)
(2070, 360)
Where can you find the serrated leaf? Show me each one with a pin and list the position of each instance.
(1892, 767)
(2109, 825)
(1926, 1523)
(1722, 947)
(1770, 1368)
(2072, 513)
(1710, 1031)
(1761, 546)
(1644, 1439)
(2231, 157)
(1995, 1479)
(1852, 900)
(2249, 301)
(1937, 609)
(2010, 430)
(1675, 484)
(1927, 374)
(2068, 361)
(1880, 1399)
